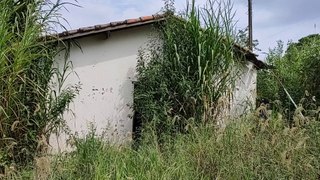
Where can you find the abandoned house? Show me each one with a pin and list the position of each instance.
(104, 66)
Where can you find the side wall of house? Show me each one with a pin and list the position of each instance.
(104, 68)
(241, 98)
(244, 96)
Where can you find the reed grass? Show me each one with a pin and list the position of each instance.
(30, 106)
(187, 68)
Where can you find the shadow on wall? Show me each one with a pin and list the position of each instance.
(98, 48)
(124, 119)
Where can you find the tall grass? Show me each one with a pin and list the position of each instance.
(29, 105)
(186, 70)
(246, 149)
(180, 83)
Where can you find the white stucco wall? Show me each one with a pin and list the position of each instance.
(244, 95)
(105, 69)
(240, 99)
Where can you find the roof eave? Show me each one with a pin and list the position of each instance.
(141, 21)
(113, 26)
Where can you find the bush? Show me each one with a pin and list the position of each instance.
(296, 69)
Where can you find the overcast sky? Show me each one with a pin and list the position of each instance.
(272, 19)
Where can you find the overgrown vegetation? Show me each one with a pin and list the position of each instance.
(246, 149)
(30, 107)
(182, 81)
(185, 72)
(296, 70)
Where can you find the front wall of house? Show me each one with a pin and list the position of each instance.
(104, 68)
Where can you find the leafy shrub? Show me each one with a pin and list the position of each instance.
(296, 69)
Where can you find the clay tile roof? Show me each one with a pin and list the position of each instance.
(131, 21)
(146, 18)
(112, 26)
(118, 25)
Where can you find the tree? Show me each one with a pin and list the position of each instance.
(297, 69)
(267, 83)
(306, 55)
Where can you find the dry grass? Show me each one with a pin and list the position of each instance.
(42, 168)
(248, 148)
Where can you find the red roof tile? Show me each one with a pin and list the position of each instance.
(131, 21)
(117, 25)
(85, 31)
(146, 18)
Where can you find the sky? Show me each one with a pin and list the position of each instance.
(273, 20)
